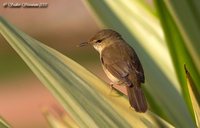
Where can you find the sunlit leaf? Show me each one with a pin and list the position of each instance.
(178, 49)
(186, 14)
(3, 123)
(194, 97)
(142, 30)
(84, 96)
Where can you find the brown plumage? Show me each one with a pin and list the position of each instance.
(121, 64)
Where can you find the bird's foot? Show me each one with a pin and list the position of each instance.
(111, 87)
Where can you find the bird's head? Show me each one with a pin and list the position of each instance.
(102, 39)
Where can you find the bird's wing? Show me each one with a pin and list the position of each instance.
(122, 61)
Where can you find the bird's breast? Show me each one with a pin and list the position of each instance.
(110, 76)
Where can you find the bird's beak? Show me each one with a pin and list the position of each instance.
(83, 44)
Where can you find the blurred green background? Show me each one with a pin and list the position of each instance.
(63, 25)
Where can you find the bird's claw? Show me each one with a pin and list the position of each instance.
(111, 87)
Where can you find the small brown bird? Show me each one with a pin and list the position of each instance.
(121, 65)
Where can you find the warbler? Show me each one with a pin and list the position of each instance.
(121, 64)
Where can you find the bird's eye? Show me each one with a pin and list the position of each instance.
(98, 41)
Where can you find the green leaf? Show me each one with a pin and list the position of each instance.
(142, 30)
(194, 97)
(179, 51)
(83, 96)
(186, 14)
(3, 123)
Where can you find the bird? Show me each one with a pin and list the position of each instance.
(121, 65)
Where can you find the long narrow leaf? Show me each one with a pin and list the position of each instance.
(186, 14)
(3, 123)
(83, 96)
(194, 97)
(143, 32)
(179, 51)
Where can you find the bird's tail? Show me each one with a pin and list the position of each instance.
(136, 98)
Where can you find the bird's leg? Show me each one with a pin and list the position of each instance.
(116, 83)
(124, 81)
(111, 86)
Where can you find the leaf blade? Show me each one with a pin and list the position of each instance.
(74, 86)
(119, 16)
(178, 49)
(189, 29)
(4, 124)
(194, 96)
